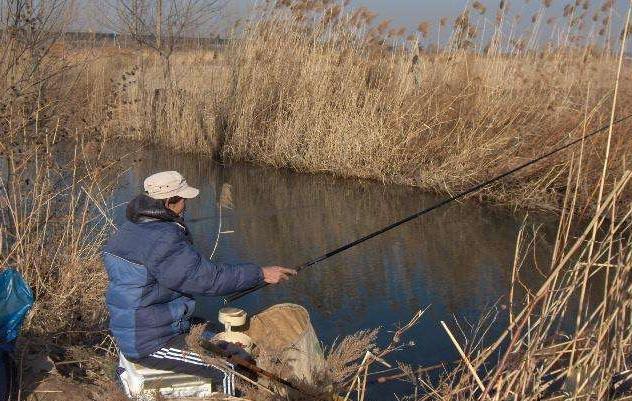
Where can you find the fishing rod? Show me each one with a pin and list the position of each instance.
(253, 368)
(444, 202)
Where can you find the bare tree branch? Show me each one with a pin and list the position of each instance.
(160, 29)
(28, 31)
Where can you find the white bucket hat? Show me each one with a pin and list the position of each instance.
(167, 184)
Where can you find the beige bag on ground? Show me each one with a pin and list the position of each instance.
(286, 343)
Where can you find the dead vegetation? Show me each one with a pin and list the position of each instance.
(327, 89)
(342, 358)
(558, 344)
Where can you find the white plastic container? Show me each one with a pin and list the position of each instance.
(232, 317)
(145, 384)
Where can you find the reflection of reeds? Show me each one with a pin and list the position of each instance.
(318, 96)
(307, 214)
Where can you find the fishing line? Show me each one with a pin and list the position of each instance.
(444, 202)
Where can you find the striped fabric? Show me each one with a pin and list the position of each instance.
(188, 357)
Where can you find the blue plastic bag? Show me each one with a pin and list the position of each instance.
(16, 299)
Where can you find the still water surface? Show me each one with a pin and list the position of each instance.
(457, 259)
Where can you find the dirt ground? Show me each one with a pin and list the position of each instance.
(53, 387)
(45, 372)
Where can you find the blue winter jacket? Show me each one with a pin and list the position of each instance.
(153, 272)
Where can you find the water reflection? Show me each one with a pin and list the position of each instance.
(457, 259)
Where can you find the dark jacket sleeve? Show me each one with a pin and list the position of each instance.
(177, 265)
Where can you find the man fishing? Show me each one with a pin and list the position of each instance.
(154, 271)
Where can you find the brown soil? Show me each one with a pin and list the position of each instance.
(54, 387)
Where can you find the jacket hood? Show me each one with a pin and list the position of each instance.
(144, 208)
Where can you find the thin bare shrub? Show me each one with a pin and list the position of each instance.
(142, 108)
(54, 179)
(159, 25)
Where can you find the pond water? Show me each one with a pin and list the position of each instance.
(457, 260)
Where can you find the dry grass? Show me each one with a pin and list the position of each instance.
(54, 233)
(329, 90)
(54, 220)
(54, 181)
(558, 341)
(560, 344)
(343, 96)
(343, 358)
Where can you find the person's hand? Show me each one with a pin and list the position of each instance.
(276, 274)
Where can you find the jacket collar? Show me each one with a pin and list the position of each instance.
(143, 209)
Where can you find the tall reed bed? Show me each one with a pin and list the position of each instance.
(326, 89)
(560, 344)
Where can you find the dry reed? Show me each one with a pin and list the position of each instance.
(54, 181)
(559, 343)
(322, 97)
(547, 353)
(335, 93)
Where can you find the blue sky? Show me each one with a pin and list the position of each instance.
(409, 13)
